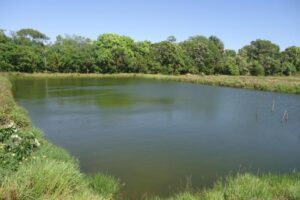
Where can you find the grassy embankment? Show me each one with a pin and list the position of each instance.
(32, 168)
(286, 84)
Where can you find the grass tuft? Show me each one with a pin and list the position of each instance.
(105, 185)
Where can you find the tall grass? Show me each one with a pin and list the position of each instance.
(247, 187)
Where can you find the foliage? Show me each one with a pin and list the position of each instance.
(114, 53)
(170, 56)
(257, 69)
(29, 50)
(202, 53)
(292, 55)
(288, 68)
(16, 146)
(230, 67)
(265, 53)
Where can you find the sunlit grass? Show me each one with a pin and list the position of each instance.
(247, 186)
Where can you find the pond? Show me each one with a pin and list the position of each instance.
(158, 136)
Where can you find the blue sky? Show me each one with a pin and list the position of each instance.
(236, 22)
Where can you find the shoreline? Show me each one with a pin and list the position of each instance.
(33, 168)
(290, 84)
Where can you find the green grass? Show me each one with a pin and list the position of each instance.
(105, 185)
(286, 84)
(247, 186)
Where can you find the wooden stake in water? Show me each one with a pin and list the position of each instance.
(285, 116)
(273, 106)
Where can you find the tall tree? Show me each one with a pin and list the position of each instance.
(292, 55)
(266, 53)
(115, 53)
(170, 56)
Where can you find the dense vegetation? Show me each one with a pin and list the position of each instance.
(29, 50)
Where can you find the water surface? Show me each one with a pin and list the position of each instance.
(156, 135)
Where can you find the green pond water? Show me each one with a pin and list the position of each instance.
(158, 135)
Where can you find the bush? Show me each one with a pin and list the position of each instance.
(288, 68)
(16, 146)
(257, 69)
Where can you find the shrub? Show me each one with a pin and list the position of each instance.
(257, 69)
(288, 68)
(16, 146)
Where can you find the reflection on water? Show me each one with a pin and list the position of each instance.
(155, 134)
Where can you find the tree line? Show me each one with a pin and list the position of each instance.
(29, 50)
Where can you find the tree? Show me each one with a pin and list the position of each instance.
(31, 35)
(115, 53)
(257, 69)
(171, 38)
(144, 61)
(230, 67)
(217, 42)
(288, 68)
(203, 53)
(229, 53)
(170, 56)
(71, 54)
(292, 55)
(265, 52)
(28, 50)
(6, 50)
(244, 66)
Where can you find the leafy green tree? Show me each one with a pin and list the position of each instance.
(197, 51)
(288, 68)
(144, 61)
(6, 49)
(265, 52)
(30, 36)
(115, 53)
(229, 53)
(217, 42)
(244, 66)
(71, 54)
(204, 54)
(271, 65)
(230, 66)
(171, 57)
(27, 59)
(292, 55)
